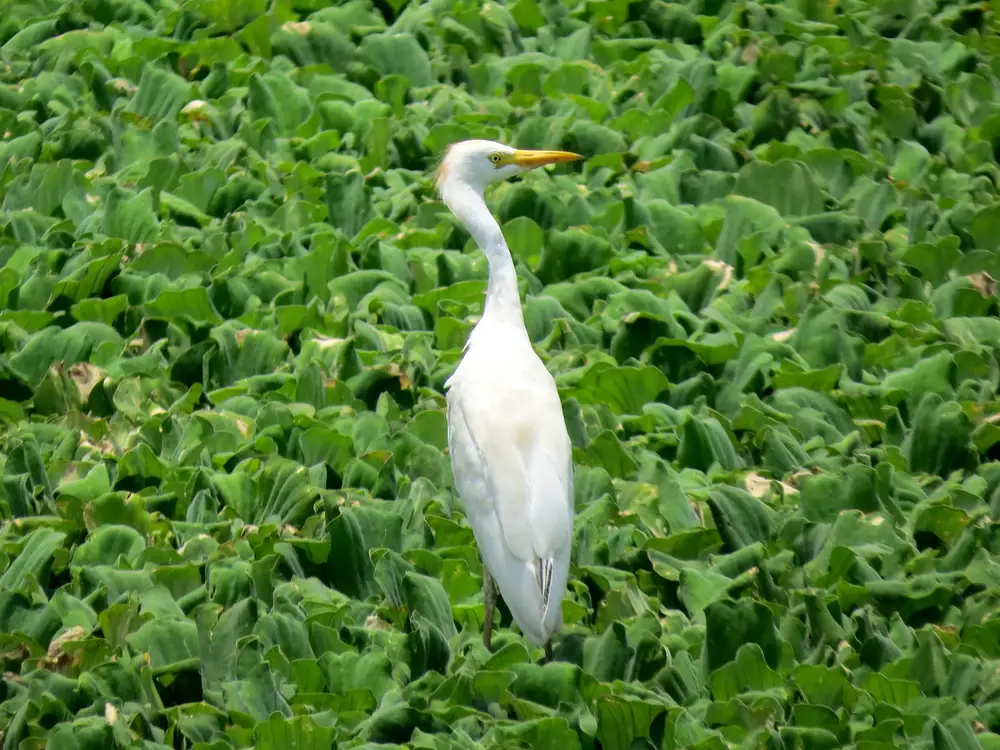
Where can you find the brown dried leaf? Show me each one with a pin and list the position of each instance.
(985, 284)
(757, 485)
(86, 376)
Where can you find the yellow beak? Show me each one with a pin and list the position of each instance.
(531, 159)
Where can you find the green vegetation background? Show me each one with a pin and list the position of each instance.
(230, 299)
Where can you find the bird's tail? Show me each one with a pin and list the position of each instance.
(551, 577)
(544, 567)
(533, 591)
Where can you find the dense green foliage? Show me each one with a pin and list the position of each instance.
(229, 300)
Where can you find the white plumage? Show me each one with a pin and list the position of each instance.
(510, 452)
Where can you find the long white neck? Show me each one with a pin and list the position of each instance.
(468, 204)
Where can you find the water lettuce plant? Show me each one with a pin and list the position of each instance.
(229, 300)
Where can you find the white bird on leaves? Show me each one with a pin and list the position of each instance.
(510, 451)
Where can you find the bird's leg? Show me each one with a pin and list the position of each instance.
(490, 596)
(548, 652)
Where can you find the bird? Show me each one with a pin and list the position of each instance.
(510, 450)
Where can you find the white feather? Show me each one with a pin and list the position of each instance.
(511, 459)
(510, 451)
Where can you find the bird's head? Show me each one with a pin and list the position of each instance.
(478, 164)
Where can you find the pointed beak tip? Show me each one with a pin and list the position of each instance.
(529, 159)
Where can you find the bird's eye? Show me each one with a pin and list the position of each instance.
(495, 157)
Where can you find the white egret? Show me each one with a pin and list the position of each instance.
(510, 451)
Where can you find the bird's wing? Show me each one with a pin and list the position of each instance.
(513, 470)
(510, 446)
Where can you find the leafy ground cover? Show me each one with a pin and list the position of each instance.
(230, 300)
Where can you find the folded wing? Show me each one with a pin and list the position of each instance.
(512, 467)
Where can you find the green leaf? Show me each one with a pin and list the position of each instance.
(729, 625)
(33, 558)
(748, 672)
(169, 643)
(160, 96)
(190, 304)
(985, 225)
(107, 544)
(275, 97)
(298, 733)
(704, 442)
(426, 596)
(912, 163)
(607, 452)
(621, 721)
(825, 495)
(939, 441)
(625, 390)
(786, 185)
(354, 531)
(130, 216)
(397, 53)
(67, 346)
